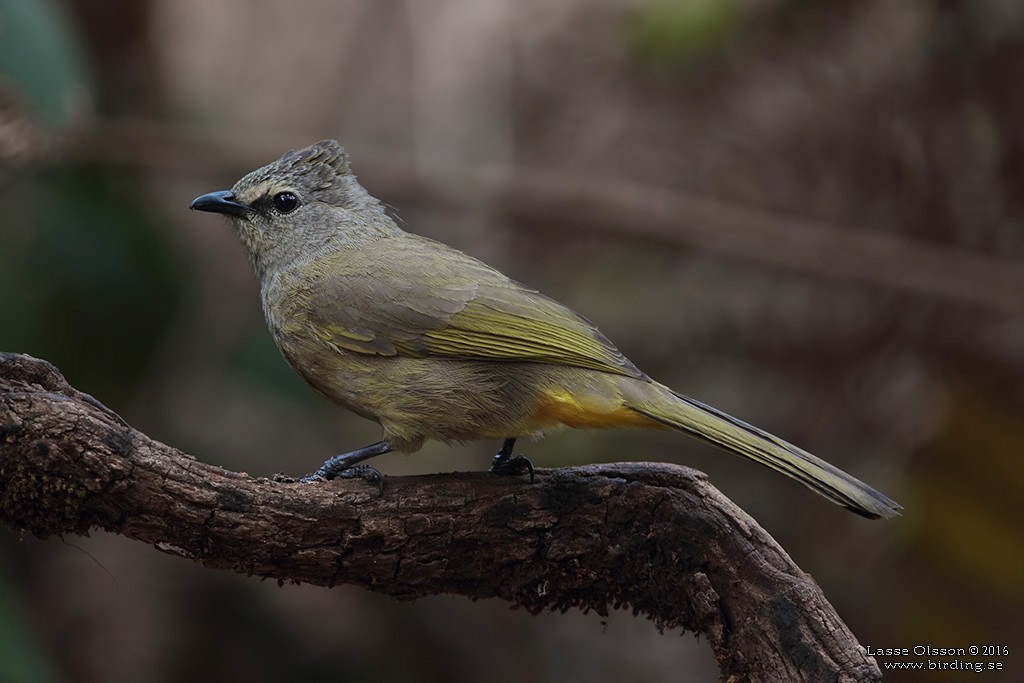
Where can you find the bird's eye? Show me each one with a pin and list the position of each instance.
(285, 202)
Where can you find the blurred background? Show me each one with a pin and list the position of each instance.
(809, 214)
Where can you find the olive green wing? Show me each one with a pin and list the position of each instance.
(419, 298)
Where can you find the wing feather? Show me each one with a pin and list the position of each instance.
(427, 299)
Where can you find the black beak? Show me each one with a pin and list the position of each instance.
(222, 201)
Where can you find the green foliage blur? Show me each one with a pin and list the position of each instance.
(670, 37)
(93, 283)
(40, 55)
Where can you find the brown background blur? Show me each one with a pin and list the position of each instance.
(809, 214)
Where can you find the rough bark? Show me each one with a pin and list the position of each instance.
(655, 538)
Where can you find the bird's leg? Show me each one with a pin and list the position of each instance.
(505, 463)
(346, 467)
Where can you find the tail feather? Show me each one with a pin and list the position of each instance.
(720, 429)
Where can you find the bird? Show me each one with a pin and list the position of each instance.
(433, 344)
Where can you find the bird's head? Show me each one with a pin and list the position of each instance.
(306, 203)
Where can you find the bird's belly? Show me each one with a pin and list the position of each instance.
(460, 400)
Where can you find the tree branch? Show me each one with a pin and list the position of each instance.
(652, 537)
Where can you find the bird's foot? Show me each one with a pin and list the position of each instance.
(506, 464)
(328, 472)
(346, 466)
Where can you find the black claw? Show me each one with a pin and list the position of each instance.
(505, 464)
(365, 472)
(346, 466)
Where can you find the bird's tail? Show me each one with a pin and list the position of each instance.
(668, 408)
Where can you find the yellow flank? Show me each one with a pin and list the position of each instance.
(560, 407)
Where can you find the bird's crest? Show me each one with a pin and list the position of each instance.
(315, 168)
